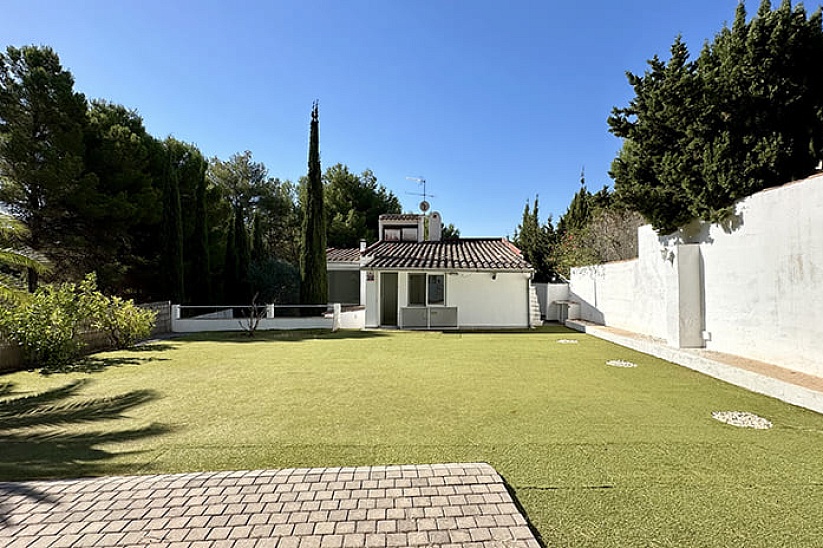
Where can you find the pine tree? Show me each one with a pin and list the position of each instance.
(42, 122)
(313, 275)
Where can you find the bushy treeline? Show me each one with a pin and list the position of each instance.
(745, 115)
(153, 218)
(596, 228)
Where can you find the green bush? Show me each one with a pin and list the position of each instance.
(48, 327)
(123, 322)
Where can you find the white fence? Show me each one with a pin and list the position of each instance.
(752, 287)
(196, 319)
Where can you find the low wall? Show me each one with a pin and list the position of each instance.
(237, 324)
(219, 322)
(749, 287)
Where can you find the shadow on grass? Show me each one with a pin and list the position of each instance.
(546, 328)
(96, 364)
(296, 335)
(35, 443)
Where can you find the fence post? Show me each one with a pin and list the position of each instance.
(335, 322)
(270, 311)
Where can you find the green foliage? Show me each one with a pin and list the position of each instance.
(171, 259)
(16, 259)
(450, 232)
(42, 121)
(49, 325)
(199, 277)
(123, 322)
(313, 275)
(536, 241)
(746, 115)
(275, 281)
(354, 204)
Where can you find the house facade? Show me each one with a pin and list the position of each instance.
(409, 281)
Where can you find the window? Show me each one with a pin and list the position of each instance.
(417, 290)
(437, 289)
(427, 289)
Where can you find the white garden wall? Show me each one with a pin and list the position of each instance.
(752, 287)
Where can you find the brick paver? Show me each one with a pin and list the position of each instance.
(445, 505)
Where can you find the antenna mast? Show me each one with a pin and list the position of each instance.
(424, 205)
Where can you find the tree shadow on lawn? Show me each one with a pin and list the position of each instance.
(36, 444)
(296, 335)
(545, 328)
(95, 363)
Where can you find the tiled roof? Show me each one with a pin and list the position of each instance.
(343, 255)
(462, 254)
(412, 217)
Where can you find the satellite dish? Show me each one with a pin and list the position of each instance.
(424, 206)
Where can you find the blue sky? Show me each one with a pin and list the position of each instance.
(491, 102)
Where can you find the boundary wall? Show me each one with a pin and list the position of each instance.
(751, 286)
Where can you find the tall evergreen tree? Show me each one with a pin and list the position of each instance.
(241, 244)
(258, 247)
(171, 260)
(313, 275)
(536, 241)
(746, 115)
(200, 277)
(42, 120)
(230, 275)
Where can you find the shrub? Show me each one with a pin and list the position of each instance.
(48, 326)
(123, 322)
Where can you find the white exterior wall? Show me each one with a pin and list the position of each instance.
(480, 300)
(548, 295)
(764, 281)
(758, 291)
(612, 294)
(485, 302)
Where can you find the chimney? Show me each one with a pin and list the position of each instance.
(362, 246)
(435, 226)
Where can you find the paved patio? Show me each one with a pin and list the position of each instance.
(455, 505)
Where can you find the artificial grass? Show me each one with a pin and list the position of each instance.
(596, 455)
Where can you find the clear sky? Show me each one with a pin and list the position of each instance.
(491, 102)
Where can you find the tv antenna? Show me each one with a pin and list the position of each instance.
(421, 181)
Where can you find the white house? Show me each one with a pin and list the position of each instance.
(410, 282)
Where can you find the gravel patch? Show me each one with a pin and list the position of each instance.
(620, 363)
(742, 419)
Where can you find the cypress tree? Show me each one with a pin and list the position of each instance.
(241, 244)
(172, 234)
(230, 280)
(200, 273)
(313, 276)
(258, 249)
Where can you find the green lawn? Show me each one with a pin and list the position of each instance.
(596, 455)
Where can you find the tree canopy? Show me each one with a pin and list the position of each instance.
(747, 114)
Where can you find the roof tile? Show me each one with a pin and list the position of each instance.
(461, 254)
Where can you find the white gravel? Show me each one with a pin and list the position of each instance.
(620, 363)
(742, 419)
(567, 341)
